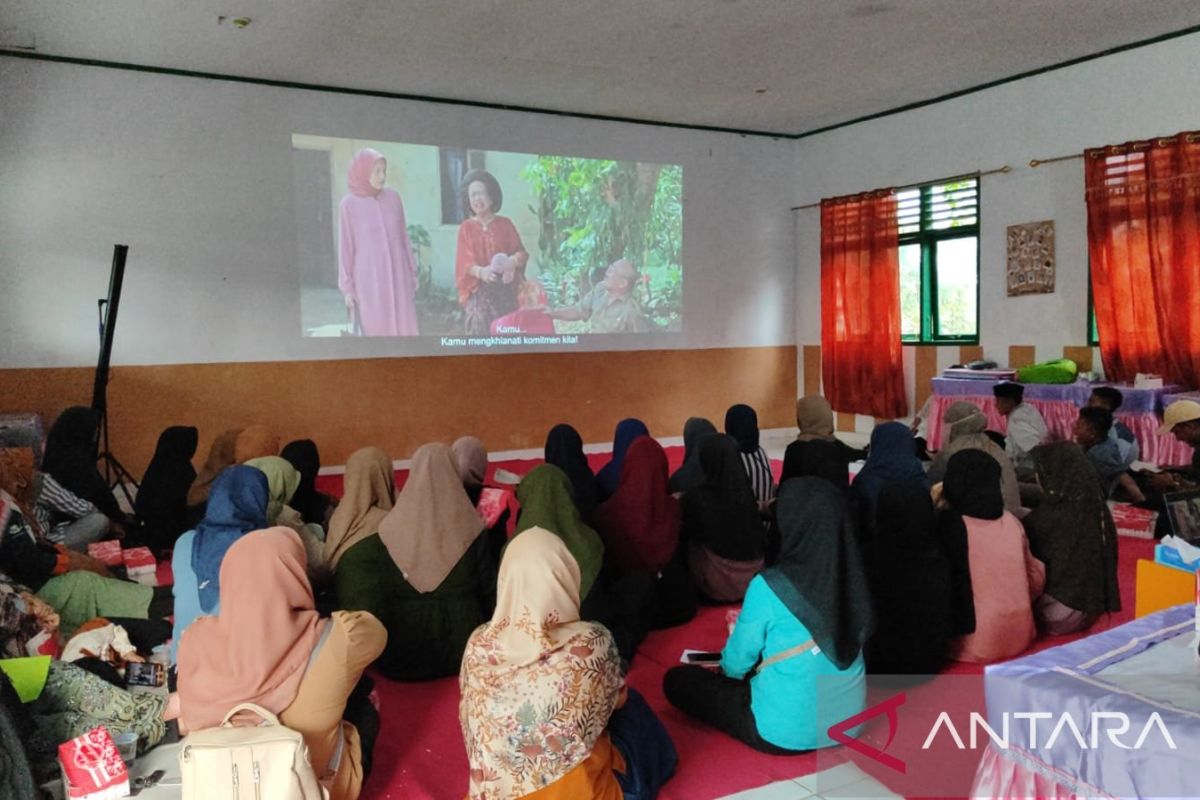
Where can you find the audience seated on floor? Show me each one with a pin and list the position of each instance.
(268, 646)
(793, 665)
(237, 504)
(471, 458)
(892, 458)
(966, 429)
(1072, 532)
(909, 579)
(1110, 399)
(544, 708)
(283, 481)
(314, 506)
(741, 423)
(369, 493)
(996, 578)
(564, 449)
(689, 475)
(817, 451)
(220, 456)
(606, 479)
(161, 506)
(427, 574)
(722, 527)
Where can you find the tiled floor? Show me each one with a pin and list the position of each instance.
(843, 782)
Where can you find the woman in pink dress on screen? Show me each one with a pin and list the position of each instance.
(376, 271)
(490, 265)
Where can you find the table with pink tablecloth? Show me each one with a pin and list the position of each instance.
(1059, 404)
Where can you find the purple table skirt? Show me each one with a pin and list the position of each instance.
(1136, 400)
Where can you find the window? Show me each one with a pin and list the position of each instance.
(939, 263)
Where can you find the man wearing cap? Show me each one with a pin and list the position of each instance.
(1026, 428)
(1182, 418)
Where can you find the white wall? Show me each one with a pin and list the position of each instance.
(1151, 91)
(196, 176)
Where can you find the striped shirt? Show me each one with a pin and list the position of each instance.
(58, 507)
(758, 469)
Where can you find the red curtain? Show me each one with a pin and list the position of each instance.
(1143, 202)
(860, 305)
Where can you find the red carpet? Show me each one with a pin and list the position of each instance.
(420, 755)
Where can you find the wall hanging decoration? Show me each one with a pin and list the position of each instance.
(1031, 258)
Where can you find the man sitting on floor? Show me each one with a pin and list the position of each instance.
(1026, 428)
(1182, 418)
(1109, 454)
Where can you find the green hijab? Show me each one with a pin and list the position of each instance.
(282, 482)
(546, 502)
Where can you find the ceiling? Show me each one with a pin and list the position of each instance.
(689, 62)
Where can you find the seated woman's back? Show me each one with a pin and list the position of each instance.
(426, 574)
(910, 585)
(259, 649)
(539, 686)
(988, 551)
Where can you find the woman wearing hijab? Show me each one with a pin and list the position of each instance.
(892, 459)
(564, 449)
(1073, 534)
(721, 524)
(689, 475)
(544, 711)
(70, 459)
(268, 646)
(370, 493)
(257, 441)
(545, 498)
(640, 527)
(283, 480)
(966, 429)
(804, 623)
(471, 457)
(377, 273)
(817, 451)
(426, 574)
(994, 576)
(221, 454)
(161, 504)
(314, 506)
(489, 265)
(910, 583)
(741, 422)
(608, 476)
(237, 505)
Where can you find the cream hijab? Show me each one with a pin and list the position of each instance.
(814, 417)
(471, 456)
(433, 522)
(538, 685)
(370, 493)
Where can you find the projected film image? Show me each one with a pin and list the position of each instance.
(475, 247)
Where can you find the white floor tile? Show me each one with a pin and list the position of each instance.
(782, 790)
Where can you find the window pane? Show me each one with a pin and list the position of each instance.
(910, 291)
(957, 279)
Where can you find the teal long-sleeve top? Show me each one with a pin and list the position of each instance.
(794, 701)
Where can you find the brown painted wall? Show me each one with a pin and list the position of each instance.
(509, 401)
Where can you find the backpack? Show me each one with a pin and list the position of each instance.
(266, 762)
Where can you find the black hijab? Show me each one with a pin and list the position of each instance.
(820, 576)
(971, 489)
(161, 504)
(564, 449)
(741, 422)
(721, 513)
(690, 475)
(1072, 531)
(817, 458)
(910, 583)
(70, 458)
(304, 456)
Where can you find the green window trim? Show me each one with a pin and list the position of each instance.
(929, 215)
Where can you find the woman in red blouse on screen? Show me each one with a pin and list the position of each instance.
(490, 266)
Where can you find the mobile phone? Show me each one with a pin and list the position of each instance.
(145, 673)
(703, 658)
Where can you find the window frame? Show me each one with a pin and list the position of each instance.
(928, 240)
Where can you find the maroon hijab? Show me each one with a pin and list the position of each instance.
(640, 522)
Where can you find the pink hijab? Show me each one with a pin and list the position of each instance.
(360, 172)
(256, 650)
